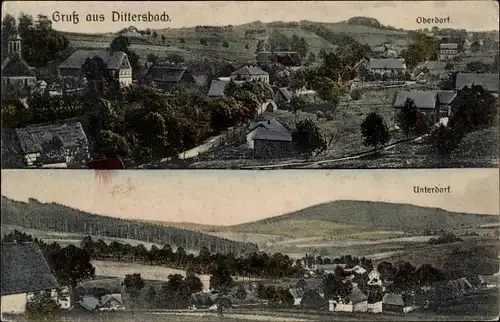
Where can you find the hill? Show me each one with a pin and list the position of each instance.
(238, 43)
(59, 218)
(351, 216)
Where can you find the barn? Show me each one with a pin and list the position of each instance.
(25, 273)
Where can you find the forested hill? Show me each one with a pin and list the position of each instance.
(59, 218)
(375, 215)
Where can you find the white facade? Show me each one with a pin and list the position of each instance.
(249, 78)
(14, 303)
(374, 278)
(340, 307)
(374, 307)
(125, 77)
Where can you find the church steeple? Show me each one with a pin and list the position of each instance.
(14, 43)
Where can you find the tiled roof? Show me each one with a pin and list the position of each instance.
(113, 60)
(166, 73)
(357, 296)
(446, 97)
(217, 88)
(270, 130)
(24, 269)
(388, 63)
(488, 81)
(15, 66)
(35, 138)
(286, 93)
(422, 99)
(393, 299)
(249, 70)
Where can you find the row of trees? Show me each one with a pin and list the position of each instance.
(254, 264)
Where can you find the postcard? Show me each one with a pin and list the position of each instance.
(305, 245)
(250, 84)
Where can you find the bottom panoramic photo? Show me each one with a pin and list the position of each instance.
(250, 245)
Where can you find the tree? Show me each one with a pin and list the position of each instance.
(411, 120)
(374, 130)
(155, 34)
(449, 66)
(225, 44)
(112, 144)
(404, 279)
(42, 307)
(174, 293)
(163, 38)
(221, 280)
(297, 104)
(133, 285)
(309, 137)
(151, 297)
(474, 108)
(445, 140)
(72, 265)
(428, 275)
(336, 288)
(193, 282)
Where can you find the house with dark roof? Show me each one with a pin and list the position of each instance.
(283, 95)
(269, 138)
(250, 73)
(397, 303)
(15, 71)
(25, 273)
(374, 300)
(386, 65)
(448, 51)
(46, 144)
(488, 81)
(435, 105)
(116, 65)
(356, 302)
(217, 88)
(111, 302)
(287, 59)
(167, 77)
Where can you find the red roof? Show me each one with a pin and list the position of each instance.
(286, 60)
(107, 164)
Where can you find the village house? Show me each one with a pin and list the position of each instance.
(287, 59)
(269, 138)
(25, 274)
(448, 51)
(383, 51)
(433, 104)
(283, 95)
(374, 301)
(387, 66)
(111, 302)
(116, 63)
(397, 303)
(63, 142)
(250, 73)
(357, 302)
(15, 71)
(374, 278)
(488, 81)
(168, 77)
(328, 268)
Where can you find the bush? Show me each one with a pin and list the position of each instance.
(42, 307)
(355, 94)
(329, 116)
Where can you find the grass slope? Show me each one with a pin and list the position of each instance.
(59, 218)
(348, 215)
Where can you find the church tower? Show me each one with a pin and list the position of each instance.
(14, 43)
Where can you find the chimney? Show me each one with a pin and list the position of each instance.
(268, 121)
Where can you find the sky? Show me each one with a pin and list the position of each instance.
(233, 197)
(476, 15)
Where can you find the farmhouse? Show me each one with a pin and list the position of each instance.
(45, 144)
(433, 104)
(488, 81)
(250, 73)
(116, 64)
(448, 51)
(217, 88)
(287, 59)
(25, 273)
(396, 303)
(269, 138)
(168, 77)
(111, 302)
(357, 302)
(374, 301)
(283, 95)
(386, 65)
(15, 71)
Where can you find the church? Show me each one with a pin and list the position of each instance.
(15, 71)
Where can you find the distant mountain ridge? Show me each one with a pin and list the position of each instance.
(381, 215)
(60, 218)
(348, 216)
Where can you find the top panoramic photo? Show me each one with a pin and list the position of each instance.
(250, 85)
